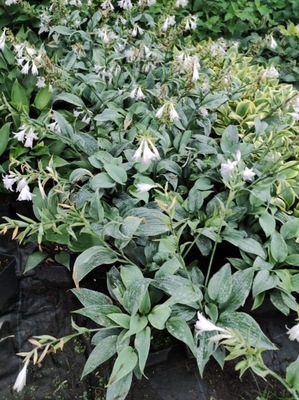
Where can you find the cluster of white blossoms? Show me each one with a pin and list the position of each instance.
(229, 168)
(22, 187)
(146, 152)
(11, 2)
(295, 106)
(270, 72)
(137, 93)
(191, 23)
(26, 135)
(125, 4)
(168, 22)
(169, 110)
(189, 64)
(28, 58)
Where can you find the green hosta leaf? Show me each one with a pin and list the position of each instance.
(179, 329)
(153, 221)
(69, 98)
(134, 295)
(292, 259)
(121, 319)
(180, 289)
(212, 101)
(170, 267)
(118, 174)
(142, 345)
(109, 115)
(33, 260)
(241, 285)
(120, 389)
(101, 353)
(89, 260)
(292, 375)
(102, 181)
(99, 314)
(137, 324)
(290, 229)
(129, 274)
(263, 281)
(248, 245)
(278, 302)
(65, 127)
(91, 297)
(124, 364)
(230, 139)
(220, 285)
(4, 137)
(248, 327)
(159, 315)
(103, 333)
(42, 98)
(130, 225)
(278, 247)
(268, 223)
(19, 99)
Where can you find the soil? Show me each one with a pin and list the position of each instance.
(44, 305)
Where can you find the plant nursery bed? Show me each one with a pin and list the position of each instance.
(44, 305)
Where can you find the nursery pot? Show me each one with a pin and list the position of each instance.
(8, 280)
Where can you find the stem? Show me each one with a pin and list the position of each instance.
(284, 383)
(228, 201)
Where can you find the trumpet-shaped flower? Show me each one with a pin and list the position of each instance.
(294, 333)
(21, 378)
(204, 325)
(173, 115)
(227, 169)
(20, 135)
(24, 190)
(146, 152)
(248, 174)
(161, 111)
(169, 21)
(2, 40)
(272, 43)
(271, 72)
(9, 180)
(144, 187)
(181, 3)
(30, 136)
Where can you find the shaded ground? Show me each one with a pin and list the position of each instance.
(43, 306)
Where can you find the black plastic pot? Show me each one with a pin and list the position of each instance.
(9, 285)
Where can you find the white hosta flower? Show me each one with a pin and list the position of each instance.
(20, 135)
(24, 190)
(294, 333)
(272, 43)
(30, 136)
(137, 30)
(34, 69)
(146, 152)
(195, 73)
(181, 3)
(41, 82)
(25, 68)
(125, 4)
(144, 187)
(21, 378)
(107, 4)
(173, 115)
(204, 325)
(9, 180)
(10, 2)
(248, 174)
(271, 72)
(191, 23)
(227, 169)
(137, 93)
(2, 40)
(169, 21)
(161, 111)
